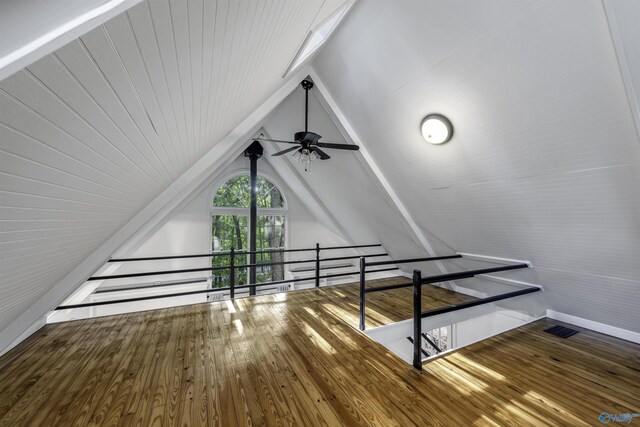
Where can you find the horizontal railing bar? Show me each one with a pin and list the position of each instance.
(161, 285)
(239, 252)
(448, 277)
(352, 273)
(194, 270)
(339, 258)
(324, 267)
(482, 301)
(199, 291)
(388, 287)
(206, 291)
(155, 273)
(408, 260)
(268, 264)
(209, 254)
(351, 247)
(118, 301)
(470, 273)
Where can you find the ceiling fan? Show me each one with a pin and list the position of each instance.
(308, 144)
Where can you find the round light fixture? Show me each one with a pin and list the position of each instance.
(436, 129)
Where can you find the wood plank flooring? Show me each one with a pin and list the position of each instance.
(296, 359)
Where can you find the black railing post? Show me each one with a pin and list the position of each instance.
(317, 265)
(232, 274)
(417, 319)
(362, 276)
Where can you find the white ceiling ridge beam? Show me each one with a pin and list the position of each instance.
(308, 197)
(60, 36)
(370, 165)
(158, 209)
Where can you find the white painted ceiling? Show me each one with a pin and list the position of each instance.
(544, 164)
(94, 131)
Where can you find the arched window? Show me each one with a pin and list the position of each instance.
(229, 227)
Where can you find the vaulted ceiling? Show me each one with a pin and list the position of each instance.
(543, 166)
(92, 132)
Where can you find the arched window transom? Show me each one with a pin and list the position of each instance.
(235, 192)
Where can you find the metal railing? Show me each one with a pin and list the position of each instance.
(418, 314)
(417, 283)
(232, 267)
(363, 271)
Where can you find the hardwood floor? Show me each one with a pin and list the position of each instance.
(296, 359)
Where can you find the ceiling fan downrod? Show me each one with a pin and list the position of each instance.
(306, 85)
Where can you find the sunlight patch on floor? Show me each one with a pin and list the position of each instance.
(543, 401)
(457, 378)
(238, 326)
(483, 369)
(230, 306)
(348, 317)
(348, 341)
(318, 341)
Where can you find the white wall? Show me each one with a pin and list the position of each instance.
(188, 231)
(544, 164)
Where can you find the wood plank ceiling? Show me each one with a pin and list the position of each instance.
(94, 131)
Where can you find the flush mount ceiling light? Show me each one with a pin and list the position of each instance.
(436, 129)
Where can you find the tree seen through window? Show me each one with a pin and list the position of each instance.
(230, 222)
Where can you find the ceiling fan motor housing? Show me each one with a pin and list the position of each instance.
(308, 137)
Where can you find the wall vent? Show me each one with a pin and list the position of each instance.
(283, 288)
(218, 296)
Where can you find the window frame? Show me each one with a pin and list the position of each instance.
(226, 210)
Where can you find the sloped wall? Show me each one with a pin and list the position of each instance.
(544, 164)
(188, 231)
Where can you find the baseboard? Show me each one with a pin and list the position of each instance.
(614, 331)
(26, 334)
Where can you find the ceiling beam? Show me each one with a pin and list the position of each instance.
(50, 41)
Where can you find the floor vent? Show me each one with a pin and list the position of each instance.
(561, 331)
(282, 288)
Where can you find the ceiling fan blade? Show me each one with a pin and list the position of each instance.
(322, 154)
(280, 153)
(337, 146)
(276, 140)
